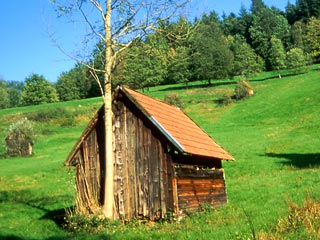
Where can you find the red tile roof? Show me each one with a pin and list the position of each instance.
(178, 127)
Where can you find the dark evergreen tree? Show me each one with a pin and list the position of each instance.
(305, 9)
(291, 13)
(257, 6)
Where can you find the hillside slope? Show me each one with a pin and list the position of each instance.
(273, 135)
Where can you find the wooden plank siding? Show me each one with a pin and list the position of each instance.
(88, 176)
(196, 187)
(143, 167)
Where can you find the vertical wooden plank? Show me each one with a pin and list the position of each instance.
(158, 178)
(170, 175)
(163, 184)
(129, 172)
(140, 168)
(175, 195)
(132, 166)
(145, 167)
(126, 134)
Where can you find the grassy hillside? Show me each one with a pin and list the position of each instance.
(274, 137)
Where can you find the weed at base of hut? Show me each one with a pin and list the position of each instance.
(89, 223)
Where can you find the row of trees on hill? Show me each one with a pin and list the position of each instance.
(35, 90)
(214, 47)
(211, 47)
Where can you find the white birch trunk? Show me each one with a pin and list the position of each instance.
(107, 208)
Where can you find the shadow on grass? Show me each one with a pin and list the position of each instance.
(205, 84)
(10, 237)
(299, 160)
(26, 197)
(198, 86)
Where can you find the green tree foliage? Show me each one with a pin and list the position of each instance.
(177, 38)
(297, 33)
(267, 23)
(232, 25)
(10, 93)
(257, 6)
(98, 62)
(14, 97)
(180, 51)
(4, 97)
(15, 89)
(313, 38)
(176, 34)
(246, 62)
(38, 90)
(179, 68)
(291, 13)
(212, 57)
(73, 84)
(305, 9)
(147, 63)
(277, 55)
(296, 60)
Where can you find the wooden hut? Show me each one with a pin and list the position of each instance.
(163, 161)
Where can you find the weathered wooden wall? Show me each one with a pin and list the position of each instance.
(196, 187)
(143, 172)
(88, 176)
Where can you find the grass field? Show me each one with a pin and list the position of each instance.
(274, 137)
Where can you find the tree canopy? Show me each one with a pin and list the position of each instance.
(37, 90)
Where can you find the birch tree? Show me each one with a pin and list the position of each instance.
(116, 24)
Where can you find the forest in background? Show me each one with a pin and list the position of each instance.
(212, 47)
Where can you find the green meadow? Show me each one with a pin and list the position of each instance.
(273, 135)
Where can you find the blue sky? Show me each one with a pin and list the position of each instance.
(26, 26)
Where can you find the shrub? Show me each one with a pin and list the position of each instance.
(302, 222)
(25, 125)
(87, 223)
(225, 100)
(243, 90)
(296, 60)
(59, 116)
(173, 99)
